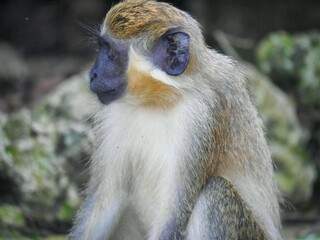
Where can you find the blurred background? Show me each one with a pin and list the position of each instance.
(45, 124)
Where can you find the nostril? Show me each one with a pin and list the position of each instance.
(93, 76)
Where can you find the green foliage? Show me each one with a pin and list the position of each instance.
(275, 54)
(13, 234)
(295, 172)
(293, 62)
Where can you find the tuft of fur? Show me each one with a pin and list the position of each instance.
(131, 18)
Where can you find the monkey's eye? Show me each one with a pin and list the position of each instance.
(102, 43)
(105, 47)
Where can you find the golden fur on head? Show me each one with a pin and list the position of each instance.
(132, 18)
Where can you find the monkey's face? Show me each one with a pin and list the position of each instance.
(139, 55)
(108, 75)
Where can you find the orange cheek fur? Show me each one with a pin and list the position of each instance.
(150, 92)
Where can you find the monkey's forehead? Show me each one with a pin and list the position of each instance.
(132, 18)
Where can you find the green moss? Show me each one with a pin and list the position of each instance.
(11, 215)
(310, 237)
(18, 126)
(66, 212)
(12, 151)
(56, 238)
(10, 234)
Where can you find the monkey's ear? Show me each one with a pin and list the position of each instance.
(171, 52)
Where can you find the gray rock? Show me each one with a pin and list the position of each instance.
(40, 151)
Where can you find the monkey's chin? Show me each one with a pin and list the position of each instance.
(105, 98)
(109, 96)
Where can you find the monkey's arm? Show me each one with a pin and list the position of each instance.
(97, 218)
(185, 191)
(220, 213)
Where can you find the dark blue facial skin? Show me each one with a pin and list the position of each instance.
(108, 75)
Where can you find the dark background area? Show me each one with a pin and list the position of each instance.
(52, 26)
(50, 36)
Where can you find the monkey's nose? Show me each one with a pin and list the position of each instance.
(93, 76)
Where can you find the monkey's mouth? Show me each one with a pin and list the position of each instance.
(108, 96)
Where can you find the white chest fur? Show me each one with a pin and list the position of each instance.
(133, 133)
(139, 153)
